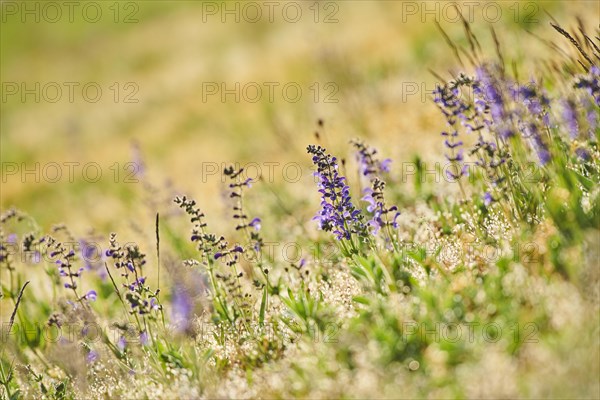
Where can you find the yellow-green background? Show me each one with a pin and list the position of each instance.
(369, 53)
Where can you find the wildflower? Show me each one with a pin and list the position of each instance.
(121, 343)
(369, 165)
(533, 98)
(338, 214)
(492, 93)
(92, 357)
(238, 208)
(374, 196)
(144, 338)
(182, 308)
(591, 83)
(531, 132)
(91, 295)
(570, 118)
(488, 199)
(154, 305)
(255, 223)
(591, 117)
(583, 154)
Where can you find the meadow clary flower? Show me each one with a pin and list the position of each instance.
(591, 83)
(377, 208)
(182, 308)
(92, 356)
(255, 223)
(91, 295)
(570, 118)
(144, 338)
(492, 94)
(533, 134)
(487, 199)
(121, 343)
(369, 165)
(338, 214)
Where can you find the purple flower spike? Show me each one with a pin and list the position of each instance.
(338, 214)
(570, 117)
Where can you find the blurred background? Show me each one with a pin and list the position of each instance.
(109, 109)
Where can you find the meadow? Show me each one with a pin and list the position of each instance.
(300, 200)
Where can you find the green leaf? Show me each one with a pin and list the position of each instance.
(362, 300)
(263, 306)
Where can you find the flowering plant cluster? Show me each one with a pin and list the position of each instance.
(445, 290)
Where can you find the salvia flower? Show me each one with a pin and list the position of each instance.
(255, 223)
(182, 308)
(491, 90)
(531, 132)
(337, 214)
(122, 343)
(91, 295)
(591, 83)
(373, 168)
(207, 243)
(129, 260)
(369, 165)
(92, 357)
(144, 338)
(570, 118)
(488, 199)
(237, 193)
(377, 208)
(65, 259)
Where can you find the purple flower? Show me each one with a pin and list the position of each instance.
(374, 196)
(144, 338)
(368, 197)
(570, 118)
(369, 165)
(154, 304)
(583, 154)
(182, 308)
(338, 214)
(255, 223)
(91, 295)
(487, 199)
(492, 94)
(591, 83)
(384, 165)
(137, 283)
(121, 343)
(532, 133)
(92, 356)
